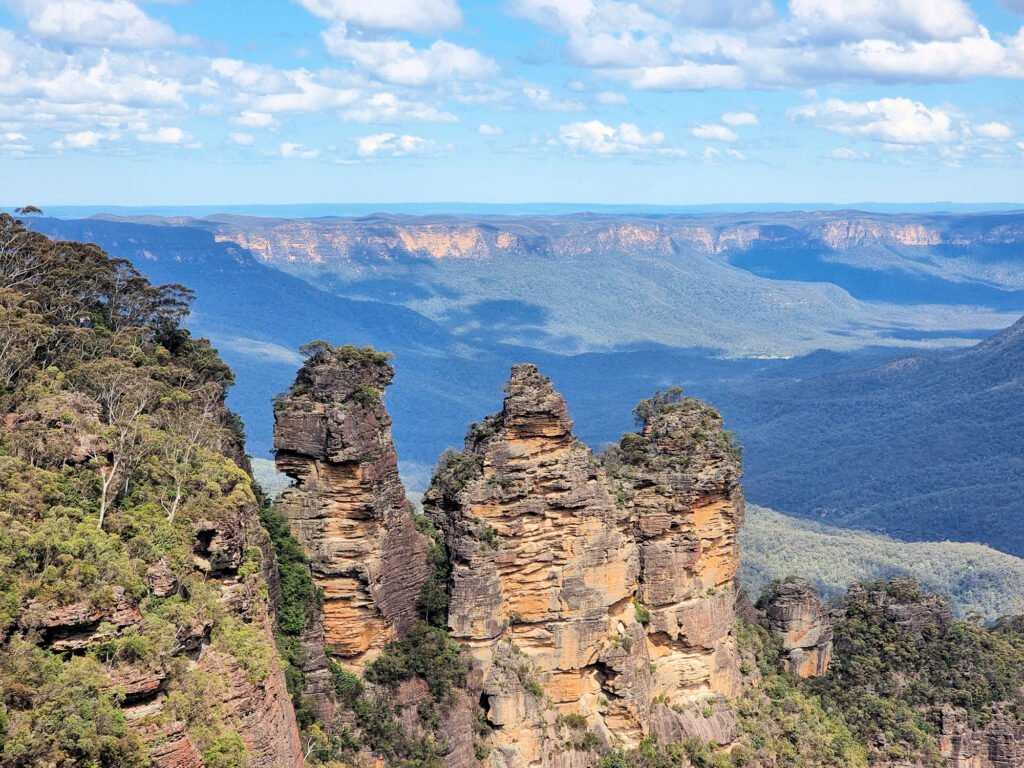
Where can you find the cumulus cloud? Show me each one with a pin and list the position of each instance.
(894, 120)
(108, 23)
(81, 139)
(251, 119)
(714, 133)
(715, 13)
(241, 139)
(864, 19)
(595, 138)
(993, 130)
(393, 145)
(738, 119)
(661, 45)
(166, 135)
(610, 97)
(418, 16)
(291, 150)
(388, 108)
(489, 130)
(304, 94)
(398, 62)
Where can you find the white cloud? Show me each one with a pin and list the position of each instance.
(933, 61)
(594, 137)
(610, 97)
(714, 133)
(393, 145)
(688, 76)
(290, 150)
(845, 153)
(394, 15)
(107, 23)
(541, 99)
(1020, 146)
(867, 19)
(398, 62)
(894, 120)
(665, 45)
(711, 156)
(305, 94)
(83, 139)
(241, 139)
(166, 135)
(14, 137)
(489, 130)
(251, 78)
(737, 119)
(388, 108)
(993, 130)
(250, 119)
(733, 14)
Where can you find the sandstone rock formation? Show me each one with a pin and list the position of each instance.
(998, 745)
(348, 508)
(796, 614)
(595, 596)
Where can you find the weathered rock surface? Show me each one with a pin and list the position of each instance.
(998, 745)
(598, 589)
(796, 614)
(348, 507)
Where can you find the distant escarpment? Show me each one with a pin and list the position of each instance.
(440, 237)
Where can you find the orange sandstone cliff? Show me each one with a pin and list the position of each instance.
(591, 597)
(594, 595)
(348, 510)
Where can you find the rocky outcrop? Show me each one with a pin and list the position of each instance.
(998, 745)
(795, 613)
(594, 595)
(903, 602)
(348, 507)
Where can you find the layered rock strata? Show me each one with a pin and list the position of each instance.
(348, 507)
(795, 613)
(594, 595)
(1000, 744)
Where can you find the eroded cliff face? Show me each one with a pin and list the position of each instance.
(455, 237)
(795, 613)
(595, 596)
(998, 745)
(348, 508)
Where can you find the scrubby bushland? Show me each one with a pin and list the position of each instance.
(117, 456)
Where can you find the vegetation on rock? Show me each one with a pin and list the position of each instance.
(977, 579)
(117, 462)
(900, 658)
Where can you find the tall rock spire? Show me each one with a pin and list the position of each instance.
(348, 509)
(600, 589)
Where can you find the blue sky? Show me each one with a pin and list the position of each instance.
(602, 101)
